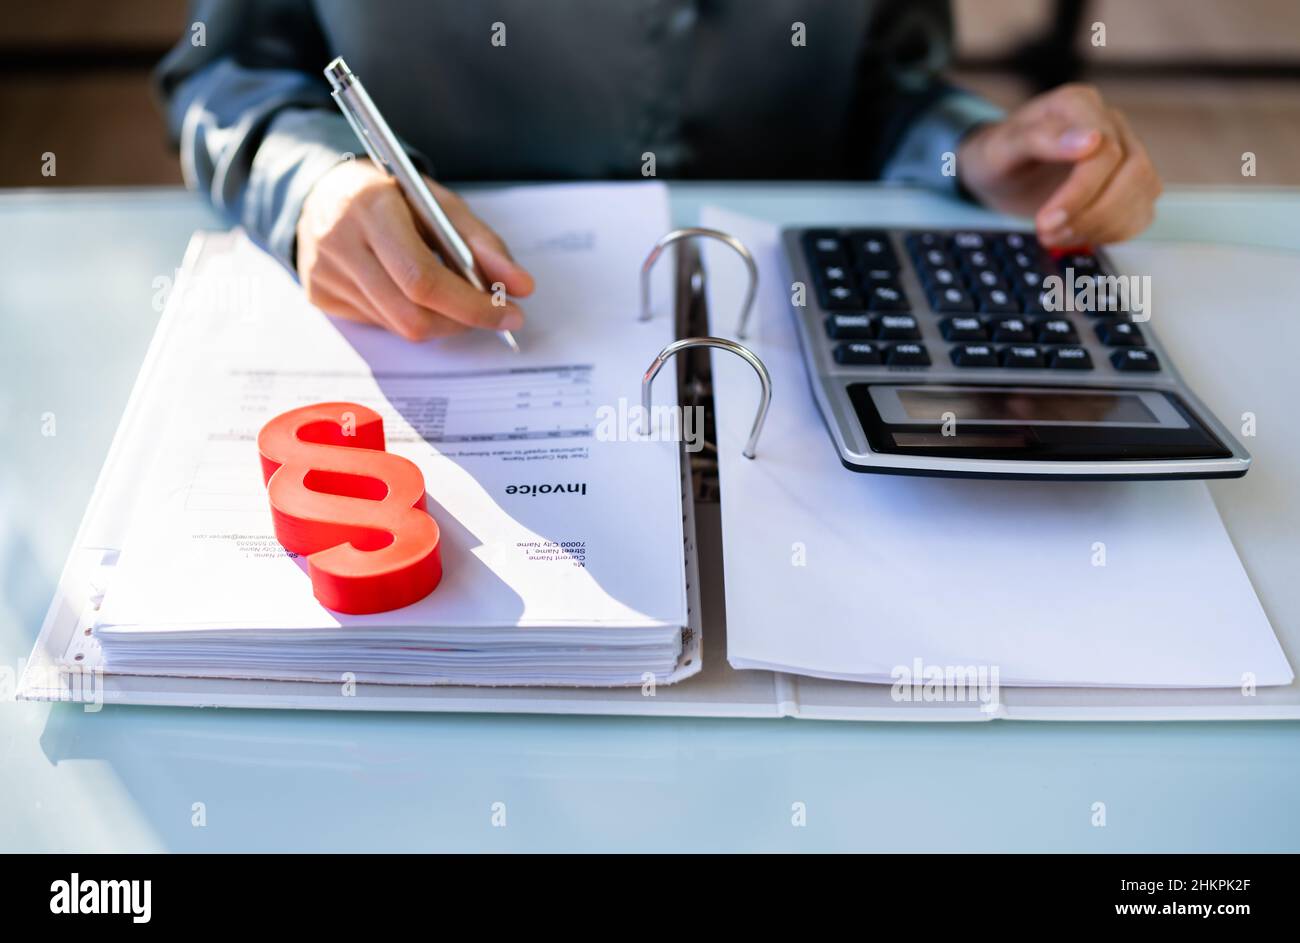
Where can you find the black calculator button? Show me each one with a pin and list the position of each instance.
(822, 243)
(975, 259)
(1070, 358)
(872, 250)
(1022, 357)
(887, 298)
(919, 242)
(1120, 334)
(1085, 293)
(940, 278)
(1030, 279)
(1017, 242)
(1135, 358)
(835, 275)
(880, 276)
(1011, 330)
(857, 354)
(850, 327)
(898, 327)
(974, 355)
(934, 258)
(968, 240)
(1112, 297)
(909, 355)
(1056, 331)
(998, 301)
(963, 329)
(952, 299)
(986, 279)
(894, 287)
(841, 297)
(1082, 263)
(1034, 301)
(1024, 260)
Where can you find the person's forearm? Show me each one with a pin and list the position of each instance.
(920, 119)
(927, 152)
(254, 139)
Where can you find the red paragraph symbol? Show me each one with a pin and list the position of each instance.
(354, 510)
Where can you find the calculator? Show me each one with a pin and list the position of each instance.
(963, 353)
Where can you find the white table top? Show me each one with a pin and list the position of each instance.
(77, 286)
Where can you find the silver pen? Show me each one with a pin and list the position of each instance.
(386, 151)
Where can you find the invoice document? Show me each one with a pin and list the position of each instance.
(885, 578)
(562, 536)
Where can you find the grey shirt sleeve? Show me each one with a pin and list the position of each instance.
(250, 110)
(910, 44)
(251, 113)
(922, 155)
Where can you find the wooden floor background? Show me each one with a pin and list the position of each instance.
(92, 105)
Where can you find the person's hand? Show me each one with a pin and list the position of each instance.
(1071, 162)
(361, 257)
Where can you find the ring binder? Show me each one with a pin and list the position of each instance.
(691, 232)
(764, 378)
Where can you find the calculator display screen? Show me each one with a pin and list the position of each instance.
(1039, 423)
(930, 405)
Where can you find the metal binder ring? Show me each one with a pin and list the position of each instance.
(764, 378)
(691, 232)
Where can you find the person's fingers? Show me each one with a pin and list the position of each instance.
(360, 255)
(490, 253)
(321, 258)
(1063, 125)
(340, 306)
(1084, 183)
(490, 250)
(1134, 146)
(341, 293)
(329, 288)
(1082, 108)
(425, 282)
(332, 285)
(399, 313)
(1127, 204)
(1071, 160)
(1045, 137)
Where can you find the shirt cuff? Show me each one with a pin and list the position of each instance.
(299, 148)
(922, 155)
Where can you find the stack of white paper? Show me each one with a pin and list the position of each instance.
(562, 535)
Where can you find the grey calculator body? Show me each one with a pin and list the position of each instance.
(933, 352)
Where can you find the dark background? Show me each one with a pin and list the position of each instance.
(1202, 80)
